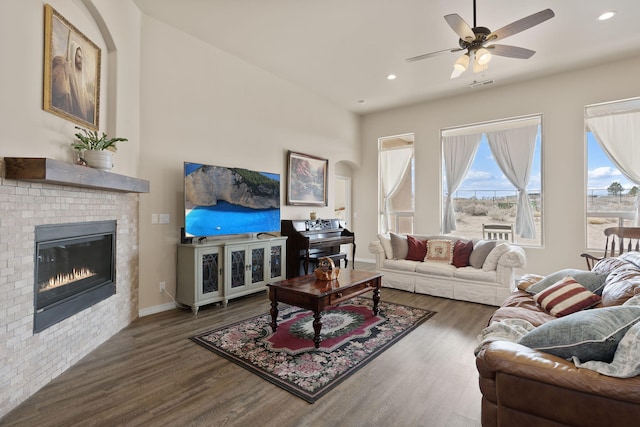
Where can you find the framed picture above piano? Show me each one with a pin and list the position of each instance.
(306, 180)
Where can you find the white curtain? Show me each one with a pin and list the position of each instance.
(619, 137)
(458, 151)
(393, 166)
(513, 150)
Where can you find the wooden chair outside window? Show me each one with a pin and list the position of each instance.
(497, 232)
(619, 240)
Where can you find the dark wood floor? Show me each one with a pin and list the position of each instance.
(152, 374)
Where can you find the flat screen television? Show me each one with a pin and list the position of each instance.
(226, 201)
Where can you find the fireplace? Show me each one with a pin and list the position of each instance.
(74, 269)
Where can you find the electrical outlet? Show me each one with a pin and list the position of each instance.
(163, 286)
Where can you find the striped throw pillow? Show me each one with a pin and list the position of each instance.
(565, 297)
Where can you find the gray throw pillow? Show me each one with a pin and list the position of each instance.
(588, 335)
(480, 251)
(399, 245)
(590, 280)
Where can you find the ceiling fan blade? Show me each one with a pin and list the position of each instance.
(521, 25)
(431, 54)
(510, 51)
(462, 29)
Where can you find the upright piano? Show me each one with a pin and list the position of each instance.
(308, 240)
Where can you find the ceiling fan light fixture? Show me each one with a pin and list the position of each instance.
(483, 56)
(460, 66)
(462, 63)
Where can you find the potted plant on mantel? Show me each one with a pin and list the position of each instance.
(95, 150)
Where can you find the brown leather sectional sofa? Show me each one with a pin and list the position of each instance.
(525, 387)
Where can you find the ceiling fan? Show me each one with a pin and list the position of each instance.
(474, 41)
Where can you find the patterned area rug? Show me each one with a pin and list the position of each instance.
(351, 337)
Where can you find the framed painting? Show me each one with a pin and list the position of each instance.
(71, 72)
(307, 180)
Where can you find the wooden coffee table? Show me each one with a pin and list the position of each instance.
(316, 295)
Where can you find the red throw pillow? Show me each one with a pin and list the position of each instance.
(417, 249)
(461, 252)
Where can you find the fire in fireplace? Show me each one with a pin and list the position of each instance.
(74, 269)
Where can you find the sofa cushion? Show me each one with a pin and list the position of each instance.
(436, 268)
(385, 241)
(399, 246)
(589, 279)
(461, 251)
(400, 264)
(480, 251)
(476, 275)
(491, 262)
(565, 297)
(439, 250)
(588, 334)
(417, 249)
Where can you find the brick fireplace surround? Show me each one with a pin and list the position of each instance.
(29, 361)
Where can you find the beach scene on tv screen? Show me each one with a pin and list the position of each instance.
(222, 201)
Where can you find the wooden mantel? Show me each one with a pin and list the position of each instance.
(49, 171)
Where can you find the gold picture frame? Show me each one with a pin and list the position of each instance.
(71, 72)
(307, 180)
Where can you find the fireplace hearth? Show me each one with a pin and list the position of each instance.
(74, 269)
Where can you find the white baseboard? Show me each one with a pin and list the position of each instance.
(156, 309)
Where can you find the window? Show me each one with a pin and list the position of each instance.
(396, 184)
(612, 171)
(492, 175)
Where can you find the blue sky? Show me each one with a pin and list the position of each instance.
(601, 171)
(486, 175)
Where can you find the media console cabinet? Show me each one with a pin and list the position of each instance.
(220, 270)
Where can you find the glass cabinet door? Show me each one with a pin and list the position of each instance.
(210, 277)
(276, 261)
(238, 268)
(257, 264)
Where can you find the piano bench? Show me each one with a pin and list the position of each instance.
(313, 259)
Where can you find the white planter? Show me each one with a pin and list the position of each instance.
(99, 159)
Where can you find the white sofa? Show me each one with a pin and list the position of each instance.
(489, 285)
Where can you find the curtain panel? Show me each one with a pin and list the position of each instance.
(393, 166)
(458, 151)
(513, 150)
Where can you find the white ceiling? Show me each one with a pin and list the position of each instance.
(344, 49)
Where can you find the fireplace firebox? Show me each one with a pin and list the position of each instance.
(74, 269)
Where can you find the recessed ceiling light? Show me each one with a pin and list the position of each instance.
(606, 15)
(391, 77)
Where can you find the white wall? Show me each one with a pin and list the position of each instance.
(200, 104)
(560, 98)
(29, 131)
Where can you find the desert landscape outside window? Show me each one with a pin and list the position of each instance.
(613, 174)
(485, 194)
